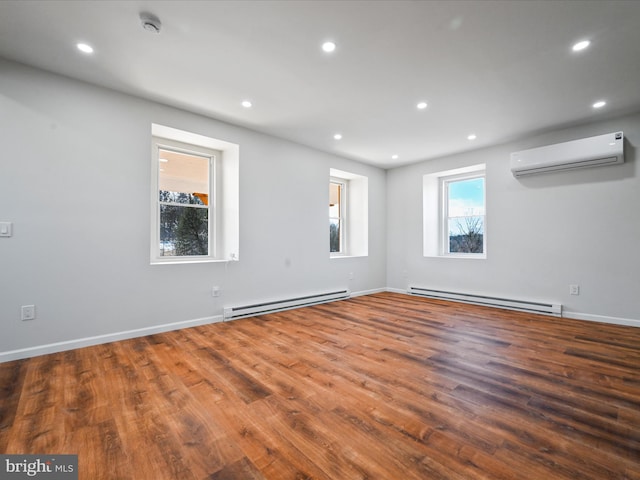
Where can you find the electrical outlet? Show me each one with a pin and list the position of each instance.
(215, 291)
(574, 289)
(350, 275)
(5, 229)
(28, 312)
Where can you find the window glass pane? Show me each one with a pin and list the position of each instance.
(335, 215)
(183, 230)
(466, 215)
(334, 235)
(466, 197)
(466, 235)
(334, 199)
(183, 178)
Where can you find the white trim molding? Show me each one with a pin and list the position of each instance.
(629, 322)
(101, 339)
(29, 352)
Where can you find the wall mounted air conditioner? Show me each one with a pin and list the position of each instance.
(605, 149)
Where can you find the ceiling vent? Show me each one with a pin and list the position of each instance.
(605, 149)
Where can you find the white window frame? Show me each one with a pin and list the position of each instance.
(159, 143)
(434, 230)
(355, 215)
(342, 219)
(444, 182)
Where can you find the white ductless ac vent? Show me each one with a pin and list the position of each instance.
(607, 149)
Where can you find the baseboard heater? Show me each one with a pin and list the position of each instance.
(510, 304)
(232, 313)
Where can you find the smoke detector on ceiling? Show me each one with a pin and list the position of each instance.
(150, 22)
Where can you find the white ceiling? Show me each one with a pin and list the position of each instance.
(499, 69)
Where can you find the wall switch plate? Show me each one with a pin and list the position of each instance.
(28, 312)
(215, 291)
(574, 289)
(6, 229)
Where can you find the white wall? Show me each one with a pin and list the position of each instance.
(543, 233)
(74, 180)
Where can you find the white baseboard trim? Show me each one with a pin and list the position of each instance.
(368, 292)
(126, 335)
(100, 339)
(629, 322)
(396, 290)
(141, 332)
(29, 352)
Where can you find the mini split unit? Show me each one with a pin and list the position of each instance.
(605, 149)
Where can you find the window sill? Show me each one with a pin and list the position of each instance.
(465, 257)
(347, 256)
(185, 261)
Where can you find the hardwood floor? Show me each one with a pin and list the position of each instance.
(385, 386)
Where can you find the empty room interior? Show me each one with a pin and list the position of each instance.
(320, 239)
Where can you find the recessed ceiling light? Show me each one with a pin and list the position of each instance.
(328, 47)
(84, 48)
(247, 104)
(581, 45)
(394, 157)
(337, 136)
(599, 104)
(422, 105)
(164, 160)
(473, 136)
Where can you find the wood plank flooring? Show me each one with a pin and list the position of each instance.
(384, 386)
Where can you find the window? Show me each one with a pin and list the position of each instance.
(454, 218)
(463, 218)
(337, 218)
(194, 198)
(348, 214)
(184, 193)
